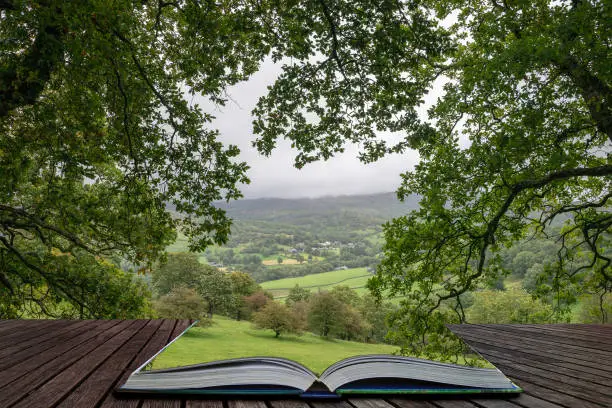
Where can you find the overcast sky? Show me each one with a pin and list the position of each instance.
(275, 176)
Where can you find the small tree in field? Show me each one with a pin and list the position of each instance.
(299, 310)
(255, 302)
(297, 294)
(243, 285)
(325, 314)
(182, 303)
(277, 317)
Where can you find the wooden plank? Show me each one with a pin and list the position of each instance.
(529, 401)
(57, 331)
(38, 362)
(293, 403)
(15, 325)
(501, 344)
(59, 359)
(27, 332)
(204, 404)
(590, 370)
(93, 390)
(454, 404)
(514, 357)
(36, 350)
(535, 354)
(534, 342)
(598, 330)
(558, 385)
(406, 403)
(161, 403)
(370, 403)
(495, 403)
(180, 327)
(485, 345)
(329, 404)
(556, 397)
(56, 389)
(596, 327)
(246, 404)
(159, 340)
(555, 335)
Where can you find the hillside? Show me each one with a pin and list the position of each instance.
(354, 278)
(300, 211)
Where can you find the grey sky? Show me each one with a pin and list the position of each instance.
(275, 176)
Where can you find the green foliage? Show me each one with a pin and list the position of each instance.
(182, 303)
(276, 317)
(509, 306)
(255, 302)
(297, 294)
(346, 295)
(215, 287)
(221, 292)
(534, 278)
(352, 324)
(523, 261)
(519, 139)
(181, 269)
(242, 286)
(595, 309)
(82, 286)
(325, 314)
(375, 314)
(97, 138)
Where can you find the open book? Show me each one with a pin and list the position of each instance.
(364, 374)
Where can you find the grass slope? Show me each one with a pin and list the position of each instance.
(230, 339)
(355, 278)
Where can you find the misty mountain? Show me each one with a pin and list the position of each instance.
(377, 207)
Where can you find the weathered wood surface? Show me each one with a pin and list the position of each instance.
(79, 363)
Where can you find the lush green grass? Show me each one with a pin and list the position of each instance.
(230, 339)
(355, 278)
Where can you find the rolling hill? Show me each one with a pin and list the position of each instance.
(354, 278)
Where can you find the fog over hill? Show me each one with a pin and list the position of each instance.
(379, 206)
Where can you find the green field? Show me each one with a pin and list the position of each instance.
(230, 339)
(355, 278)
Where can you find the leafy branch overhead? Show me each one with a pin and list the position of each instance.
(98, 139)
(519, 141)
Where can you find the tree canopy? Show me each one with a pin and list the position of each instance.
(98, 139)
(519, 138)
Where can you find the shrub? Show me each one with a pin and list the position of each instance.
(182, 303)
(277, 317)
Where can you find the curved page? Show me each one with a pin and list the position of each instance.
(408, 368)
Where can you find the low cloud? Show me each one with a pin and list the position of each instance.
(275, 176)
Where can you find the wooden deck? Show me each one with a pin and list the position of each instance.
(79, 363)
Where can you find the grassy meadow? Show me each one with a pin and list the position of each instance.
(228, 338)
(355, 278)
